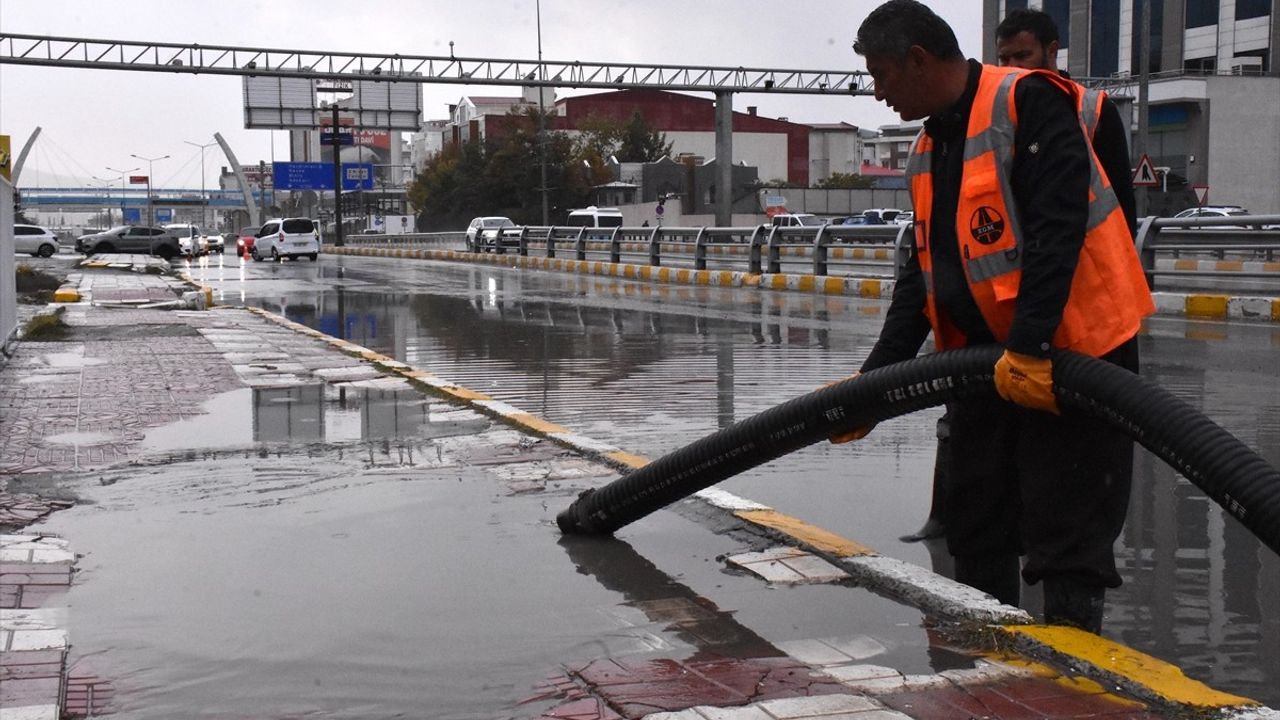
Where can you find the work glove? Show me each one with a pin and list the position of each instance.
(1027, 381)
(856, 433)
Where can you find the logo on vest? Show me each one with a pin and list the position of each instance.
(986, 225)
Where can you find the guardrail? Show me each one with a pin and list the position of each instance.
(1245, 247)
(764, 246)
(1240, 247)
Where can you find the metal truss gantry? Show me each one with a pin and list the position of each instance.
(194, 58)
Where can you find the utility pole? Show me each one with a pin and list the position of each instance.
(123, 175)
(337, 178)
(542, 121)
(1144, 81)
(204, 198)
(151, 215)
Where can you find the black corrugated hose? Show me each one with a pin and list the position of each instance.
(1227, 470)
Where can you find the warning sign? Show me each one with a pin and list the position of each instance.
(1202, 194)
(1145, 174)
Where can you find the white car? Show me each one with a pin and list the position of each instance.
(34, 240)
(282, 238)
(190, 238)
(1208, 212)
(482, 232)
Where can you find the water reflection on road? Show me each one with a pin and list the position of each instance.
(650, 368)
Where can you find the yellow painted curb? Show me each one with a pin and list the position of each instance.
(66, 295)
(869, 288)
(536, 424)
(812, 535)
(462, 393)
(832, 286)
(806, 283)
(1184, 264)
(631, 460)
(1275, 310)
(1207, 306)
(751, 280)
(416, 374)
(1233, 265)
(1161, 678)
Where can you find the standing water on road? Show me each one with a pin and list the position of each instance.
(650, 368)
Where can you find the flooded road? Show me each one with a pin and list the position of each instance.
(650, 368)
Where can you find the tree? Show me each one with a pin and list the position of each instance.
(640, 142)
(847, 181)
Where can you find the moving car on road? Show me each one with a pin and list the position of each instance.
(34, 240)
(482, 232)
(244, 241)
(131, 239)
(282, 238)
(190, 239)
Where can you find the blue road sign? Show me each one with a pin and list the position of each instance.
(132, 216)
(164, 215)
(319, 176)
(345, 136)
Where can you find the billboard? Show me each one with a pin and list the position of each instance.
(368, 145)
(284, 103)
(319, 176)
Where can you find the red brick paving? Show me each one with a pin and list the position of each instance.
(87, 695)
(1023, 699)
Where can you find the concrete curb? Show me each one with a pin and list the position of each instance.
(1143, 676)
(1192, 306)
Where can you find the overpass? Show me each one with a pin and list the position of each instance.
(70, 198)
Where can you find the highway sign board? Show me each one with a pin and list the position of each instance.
(133, 216)
(319, 176)
(138, 179)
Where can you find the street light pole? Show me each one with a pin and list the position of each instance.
(542, 121)
(204, 198)
(123, 175)
(151, 215)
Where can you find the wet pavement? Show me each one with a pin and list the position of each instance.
(273, 525)
(676, 362)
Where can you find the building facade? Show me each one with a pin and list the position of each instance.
(1214, 92)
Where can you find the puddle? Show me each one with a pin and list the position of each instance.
(79, 438)
(304, 414)
(69, 360)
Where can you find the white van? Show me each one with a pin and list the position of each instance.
(596, 217)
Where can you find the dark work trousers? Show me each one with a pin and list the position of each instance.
(1054, 488)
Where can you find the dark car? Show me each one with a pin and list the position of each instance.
(138, 239)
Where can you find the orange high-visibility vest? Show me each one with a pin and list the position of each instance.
(1109, 294)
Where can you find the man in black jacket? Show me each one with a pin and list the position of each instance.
(1023, 480)
(1029, 39)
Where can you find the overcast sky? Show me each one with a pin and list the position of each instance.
(95, 119)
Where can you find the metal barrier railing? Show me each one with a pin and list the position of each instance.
(1241, 237)
(1247, 237)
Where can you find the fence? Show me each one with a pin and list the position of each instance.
(1171, 249)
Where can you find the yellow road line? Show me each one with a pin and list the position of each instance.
(811, 535)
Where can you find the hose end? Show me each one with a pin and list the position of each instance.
(569, 521)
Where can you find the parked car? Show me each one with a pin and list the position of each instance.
(796, 220)
(482, 232)
(34, 240)
(906, 217)
(881, 216)
(282, 238)
(1222, 211)
(192, 241)
(131, 239)
(244, 241)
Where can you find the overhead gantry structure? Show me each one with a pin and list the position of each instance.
(198, 59)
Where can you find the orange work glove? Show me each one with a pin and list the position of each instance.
(1027, 381)
(856, 433)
